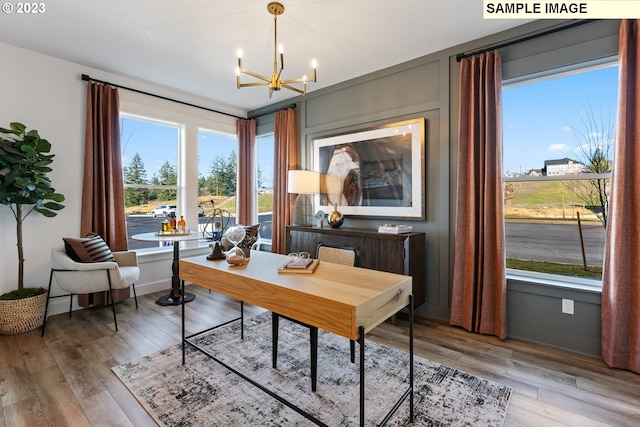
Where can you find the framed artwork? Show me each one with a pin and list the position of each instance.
(377, 172)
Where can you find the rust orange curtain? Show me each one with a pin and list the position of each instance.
(479, 278)
(247, 180)
(103, 190)
(621, 275)
(285, 146)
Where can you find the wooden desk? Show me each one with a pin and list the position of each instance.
(345, 300)
(395, 253)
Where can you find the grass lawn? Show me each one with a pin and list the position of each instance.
(265, 204)
(575, 270)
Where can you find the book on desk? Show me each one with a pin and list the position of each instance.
(299, 265)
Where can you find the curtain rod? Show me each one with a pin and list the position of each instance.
(462, 56)
(86, 78)
(273, 111)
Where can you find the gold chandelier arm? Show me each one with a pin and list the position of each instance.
(256, 75)
(301, 80)
(254, 84)
(295, 89)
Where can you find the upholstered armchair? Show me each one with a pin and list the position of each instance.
(87, 277)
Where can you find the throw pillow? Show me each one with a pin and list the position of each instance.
(88, 249)
(251, 230)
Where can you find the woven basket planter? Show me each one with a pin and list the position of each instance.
(22, 315)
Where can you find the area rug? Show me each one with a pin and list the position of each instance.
(204, 393)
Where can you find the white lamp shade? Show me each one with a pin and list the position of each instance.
(303, 182)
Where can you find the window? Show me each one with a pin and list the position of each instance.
(265, 155)
(217, 177)
(150, 171)
(557, 157)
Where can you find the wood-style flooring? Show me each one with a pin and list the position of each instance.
(65, 378)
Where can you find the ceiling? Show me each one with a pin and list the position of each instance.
(191, 45)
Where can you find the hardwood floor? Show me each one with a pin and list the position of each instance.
(65, 378)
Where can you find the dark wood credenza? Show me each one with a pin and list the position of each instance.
(394, 253)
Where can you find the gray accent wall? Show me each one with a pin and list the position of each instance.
(428, 87)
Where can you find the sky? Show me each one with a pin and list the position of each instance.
(156, 143)
(539, 118)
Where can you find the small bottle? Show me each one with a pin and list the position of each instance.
(172, 222)
(182, 225)
(166, 225)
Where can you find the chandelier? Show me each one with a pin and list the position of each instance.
(275, 82)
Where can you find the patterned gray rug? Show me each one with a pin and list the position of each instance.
(204, 393)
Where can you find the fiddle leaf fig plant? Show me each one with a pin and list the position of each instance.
(24, 184)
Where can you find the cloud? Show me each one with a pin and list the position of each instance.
(558, 147)
(565, 128)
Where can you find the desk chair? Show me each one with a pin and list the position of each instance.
(337, 254)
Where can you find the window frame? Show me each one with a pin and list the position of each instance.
(190, 119)
(548, 279)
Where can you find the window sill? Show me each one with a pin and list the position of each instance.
(550, 280)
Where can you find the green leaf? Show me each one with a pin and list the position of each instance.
(10, 149)
(28, 150)
(45, 212)
(18, 127)
(43, 146)
(33, 133)
(57, 197)
(53, 206)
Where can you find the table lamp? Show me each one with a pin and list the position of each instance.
(304, 184)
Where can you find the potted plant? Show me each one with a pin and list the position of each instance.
(25, 188)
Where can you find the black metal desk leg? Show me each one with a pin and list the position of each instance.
(411, 357)
(275, 325)
(314, 357)
(183, 338)
(361, 341)
(241, 320)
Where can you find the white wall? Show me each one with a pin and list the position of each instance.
(44, 94)
(48, 94)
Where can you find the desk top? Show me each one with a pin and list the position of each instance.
(154, 237)
(336, 298)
